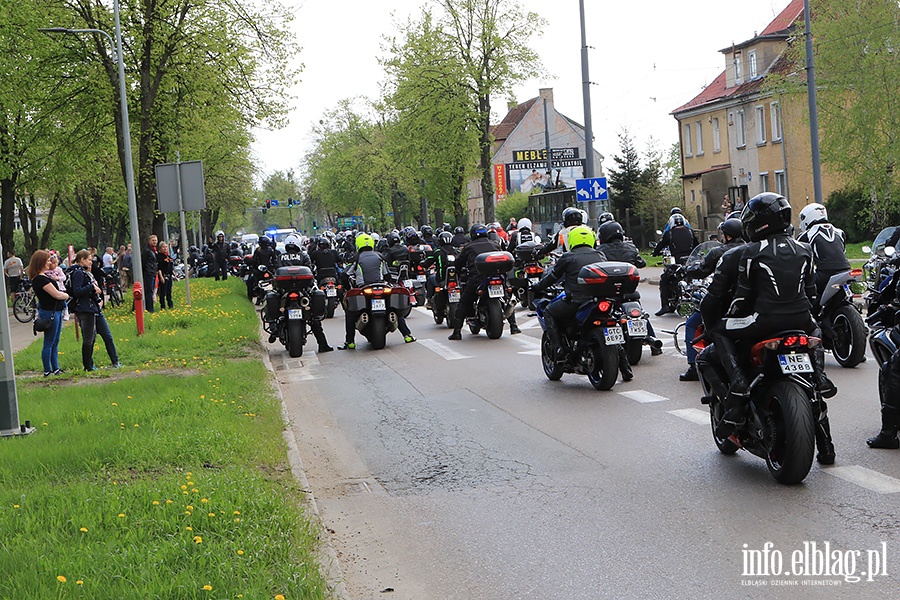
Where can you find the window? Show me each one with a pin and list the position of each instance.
(751, 58)
(760, 125)
(739, 130)
(780, 183)
(688, 151)
(737, 67)
(699, 138)
(775, 118)
(717, 143)
(764, 182)
(693, 196)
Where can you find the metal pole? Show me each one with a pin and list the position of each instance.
(588, 127)
(184, 252)
(9, 404)
(813, 112)
(547, 146)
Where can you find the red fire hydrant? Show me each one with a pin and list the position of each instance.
(138, 293)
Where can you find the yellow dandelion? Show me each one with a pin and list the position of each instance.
(136, 425)
(190, 483)
(45, 424)
(115, 403)
(79, 582)
(137, 371)
(169, 501)
(188, 475)
(211, 515)
(184, 487)
(279, 597)
(238, 520)
(195, 490)
(207, 587)
(121, 515)
(16, 506)
(156, 503)
(61, 579)
(189, 528)
(204, 500)
(189, 507)
(198, 539)
(237, 512)
(240, 552)
(128, 397)
(83, 530)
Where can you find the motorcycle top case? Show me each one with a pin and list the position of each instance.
(397, 298)
(607, 279)
(525, 251)
(293, 278)
(494, 263)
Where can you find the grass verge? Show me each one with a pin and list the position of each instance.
(165, 479)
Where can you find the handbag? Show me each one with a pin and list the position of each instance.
(41, 324)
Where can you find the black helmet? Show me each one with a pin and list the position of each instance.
(445, 237)
(477, 230)
(323, 243)
(459, 229)
(447, 227)
(677, 220)
(609, 231)
(731, 227)
(393, 238)
(765, 215)
(675, 211)
(572, 216)
(427, 230)
(606, 217)
(264, 241)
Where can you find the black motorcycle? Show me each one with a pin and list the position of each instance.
(292, 306)
(528, 272)
(843, 329)
(445, 301)
(378, 307)
(596, 338)
(783, 407)
(494, 303)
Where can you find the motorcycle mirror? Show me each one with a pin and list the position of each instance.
(867, 250)
(890, 250)
(658, 232)
(652, 244)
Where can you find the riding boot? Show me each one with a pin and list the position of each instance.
(320, 338)
(824, 443)
(890, 423)
(624, 365)
(705, 364)
(655, 345)
(738, 390)
(555, 337)
(823, 385)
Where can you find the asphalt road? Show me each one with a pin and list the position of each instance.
(457, 470)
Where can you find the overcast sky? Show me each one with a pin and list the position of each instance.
(648, 58)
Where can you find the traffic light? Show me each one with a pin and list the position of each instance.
(315, 226)
(268, 203)
(290, 201)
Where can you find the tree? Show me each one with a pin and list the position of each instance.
(490, 39)
(624, 180)
(659, 186)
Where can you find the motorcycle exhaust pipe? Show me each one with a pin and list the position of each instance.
(364, 318)
(392, 317)
(304, 302)
(654, 342)
(509, 310)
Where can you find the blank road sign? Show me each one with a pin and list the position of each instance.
(193, 191)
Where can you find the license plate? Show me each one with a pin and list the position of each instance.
(795, 363)
(637, 328)
(407, 283)
(378, 304)
(614, 335)
(533, 280)
(331, 292)
(454, 296)
(495, 291)
(295, 313)
(420, 278)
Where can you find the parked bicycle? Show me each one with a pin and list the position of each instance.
(112, 286)
(24, 302)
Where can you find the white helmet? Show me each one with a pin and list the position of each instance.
(220, 232)
(812, 213)
(524, 224)
(293, 239)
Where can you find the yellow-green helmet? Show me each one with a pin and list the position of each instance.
(581, 236)
(364, 240)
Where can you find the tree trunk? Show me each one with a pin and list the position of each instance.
(396, 207)
(484, 162)
(7, 213)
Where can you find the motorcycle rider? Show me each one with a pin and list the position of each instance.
(480, 243)
(730, 234)
(768, 300)
(325, 259)
(680, 240)
(521, 234)
(828, 244)
(428, 236)
(369, 267)
(438, 258)
(460, 238)
(572, 217)
(294, 255)
(221, 250)
(396, 252)
(265, 254)
(890, 405)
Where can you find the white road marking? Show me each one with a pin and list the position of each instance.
(643, 397)
(867, 478)
(531, 324)
(441, 349)
(694, 415)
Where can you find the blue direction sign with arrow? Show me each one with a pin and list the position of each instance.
(591, 189)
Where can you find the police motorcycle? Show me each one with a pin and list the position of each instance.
(379, 306)
(596, 336)
(291, 306)
(445, 301)
(494, 303)
(528, 271)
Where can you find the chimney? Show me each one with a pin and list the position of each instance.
(547, 94)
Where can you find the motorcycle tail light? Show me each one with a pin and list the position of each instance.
(534, 270)
(604, 306)
(756, 351)
(293, 296)
(367, 291)
(452, 285)
(635, 312)
(856, 273)
(495, 281)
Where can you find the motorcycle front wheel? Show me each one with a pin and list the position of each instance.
(789, 430)
(604, 370)
(295, 338)
(849, 343)
(552, 369)
(494, 325)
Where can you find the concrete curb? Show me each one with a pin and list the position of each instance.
(327, 556)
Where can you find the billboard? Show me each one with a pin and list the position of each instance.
(527, 176)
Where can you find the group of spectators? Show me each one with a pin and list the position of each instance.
(158, 267)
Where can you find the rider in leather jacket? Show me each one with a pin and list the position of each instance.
(828, 244)
(680, 240)
(294, 255)
(438, 258)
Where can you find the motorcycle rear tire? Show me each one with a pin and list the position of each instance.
(634, 349)
(376, 332)
(849, 343)
(329, 308)
(295, 338)
(790, 458)
(605, 370)
(451, 314)
(494, 326)
(552, 369)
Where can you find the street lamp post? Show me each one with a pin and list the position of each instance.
(126, 134)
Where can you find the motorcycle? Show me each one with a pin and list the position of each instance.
(879, 271)
(528, 272)
(783, 407)
(445, 301)
(595, 338)
(292, 306)
(331, 288)
(843, 329)
(690, 294)
(236, 265)
(378, 306)
(493, 304)
(418, 276)
(262, 285)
